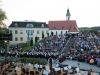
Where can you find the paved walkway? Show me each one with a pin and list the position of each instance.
(82, 65)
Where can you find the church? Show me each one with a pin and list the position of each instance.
(63, 26)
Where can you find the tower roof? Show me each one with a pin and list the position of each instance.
(68, 13)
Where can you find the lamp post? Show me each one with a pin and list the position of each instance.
(5, 49)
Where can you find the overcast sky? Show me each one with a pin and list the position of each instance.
(85, 12)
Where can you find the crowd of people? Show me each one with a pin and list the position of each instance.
(49, 47)
(86, 48)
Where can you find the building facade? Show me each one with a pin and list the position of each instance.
(24, 31)
(63, 26)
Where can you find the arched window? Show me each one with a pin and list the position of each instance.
(42, 25)
(31, 25)
(27, 25)
(16, 25)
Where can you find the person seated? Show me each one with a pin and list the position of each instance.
(79, 73)
(22, 73)
(15, 73)
(27, 71)
(89, 72)
(86, 73)
(39, 67)
(65, 74)
(52, 71)
(45, 72)
(65, 70)
(57, 65)
(36, 72)
(74, 71)
(98, 62)
(23, 70)
(31, 72)
(35, 66)
(58, 70)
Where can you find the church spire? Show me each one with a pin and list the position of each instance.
(68, 14)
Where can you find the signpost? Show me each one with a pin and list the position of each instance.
(6, 37)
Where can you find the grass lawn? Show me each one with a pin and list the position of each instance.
(25, 48)
(34, 60)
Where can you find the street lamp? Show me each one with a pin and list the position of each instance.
(5, 49)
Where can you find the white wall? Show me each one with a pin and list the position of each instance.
(73, 32)
(58, 32)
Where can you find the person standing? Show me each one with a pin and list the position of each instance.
(50, 61)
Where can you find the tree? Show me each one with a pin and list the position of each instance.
(36, 39)
(2, 18)
(31, 42)
(94, 31)
(2, 31)
(42, 35)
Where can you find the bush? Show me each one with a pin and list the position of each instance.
(34, 60)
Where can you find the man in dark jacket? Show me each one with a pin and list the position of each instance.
(50, 61)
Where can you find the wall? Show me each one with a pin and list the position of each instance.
(24, 35)
(58, 31)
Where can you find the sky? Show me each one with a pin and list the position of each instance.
(85, 12)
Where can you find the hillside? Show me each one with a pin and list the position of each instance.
(92, 28)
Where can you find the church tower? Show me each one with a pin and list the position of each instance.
(68, 15)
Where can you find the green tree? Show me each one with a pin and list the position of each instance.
(2, 18)
(36, 39)
(42, 35)
(94, 31)
(31, 42)
(2, 31)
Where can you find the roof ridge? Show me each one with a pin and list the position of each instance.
(29, 21)
(62, 20)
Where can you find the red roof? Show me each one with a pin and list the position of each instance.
(70, 25)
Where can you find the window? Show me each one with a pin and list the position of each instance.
(42, 31)
(16, 39)
(27, 38)
(42, 25)
(31, 25)
(32, 31)
(47, 31)
(31, 38)
(16, 32)
(66, 32)
(56, 32)
(37, 31)
(61, 32)
(27, 25)
(16, 25)
(21, 31)
(21, 38)
(38, 38)
(10, 31)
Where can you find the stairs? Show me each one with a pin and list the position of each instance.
(67, 46)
